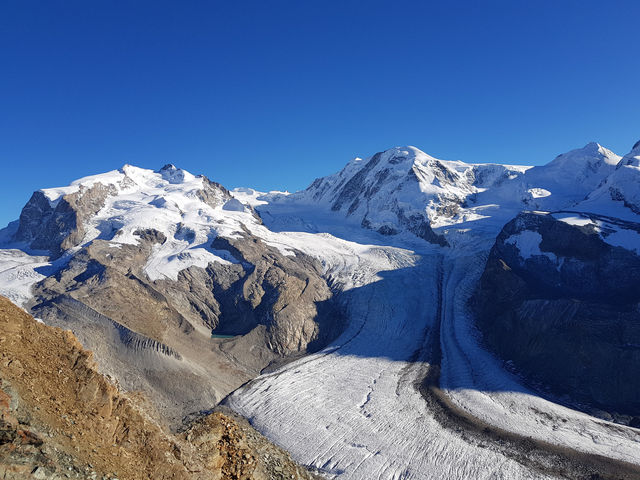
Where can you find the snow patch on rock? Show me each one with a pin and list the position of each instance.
(528, 244)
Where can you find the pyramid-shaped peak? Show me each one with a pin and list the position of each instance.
(592, 152)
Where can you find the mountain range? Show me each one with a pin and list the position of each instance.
(404, 317)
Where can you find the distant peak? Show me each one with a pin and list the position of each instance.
(591, 152)
(407, 154)
(173, 174)
(129, 169)
(633, 157)
(406, 150)
(591, 147)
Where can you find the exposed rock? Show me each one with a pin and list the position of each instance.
(285, 294)
(568, 314)
(151, 235)
(61, 226)
(155, 336)
(212, 193)
(60, 418)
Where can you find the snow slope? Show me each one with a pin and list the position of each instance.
(570, 177)
(18, 273)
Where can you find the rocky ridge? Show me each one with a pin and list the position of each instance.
(61, 418)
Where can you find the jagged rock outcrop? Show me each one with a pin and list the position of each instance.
(559, 299)
(286, 294)
(60, 225)
(60, 418)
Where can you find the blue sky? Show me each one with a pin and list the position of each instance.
(273, 94)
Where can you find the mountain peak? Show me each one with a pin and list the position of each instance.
(405, 157)
(397, 155)
(592, 153)
(169, 166)
(173, 174)
(633, 157)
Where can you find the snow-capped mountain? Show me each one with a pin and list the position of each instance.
(570, 177)
(550, 260)
(115, 205)
(146, 265)
(405, 189)
(389, 279)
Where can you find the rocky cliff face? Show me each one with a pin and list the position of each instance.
(60, 418)
(559, 299)
(285, 294)
(58, 226)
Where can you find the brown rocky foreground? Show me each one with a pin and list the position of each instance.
(61, 418)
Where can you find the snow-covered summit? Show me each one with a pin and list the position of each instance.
(570, 177)
(619, 193)
(129, 178)
(185, 210)
(405, 189)
(394, 190)
(592, 153)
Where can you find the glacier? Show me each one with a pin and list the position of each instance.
(407, 390)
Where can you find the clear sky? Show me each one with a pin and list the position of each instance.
(272, 94)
